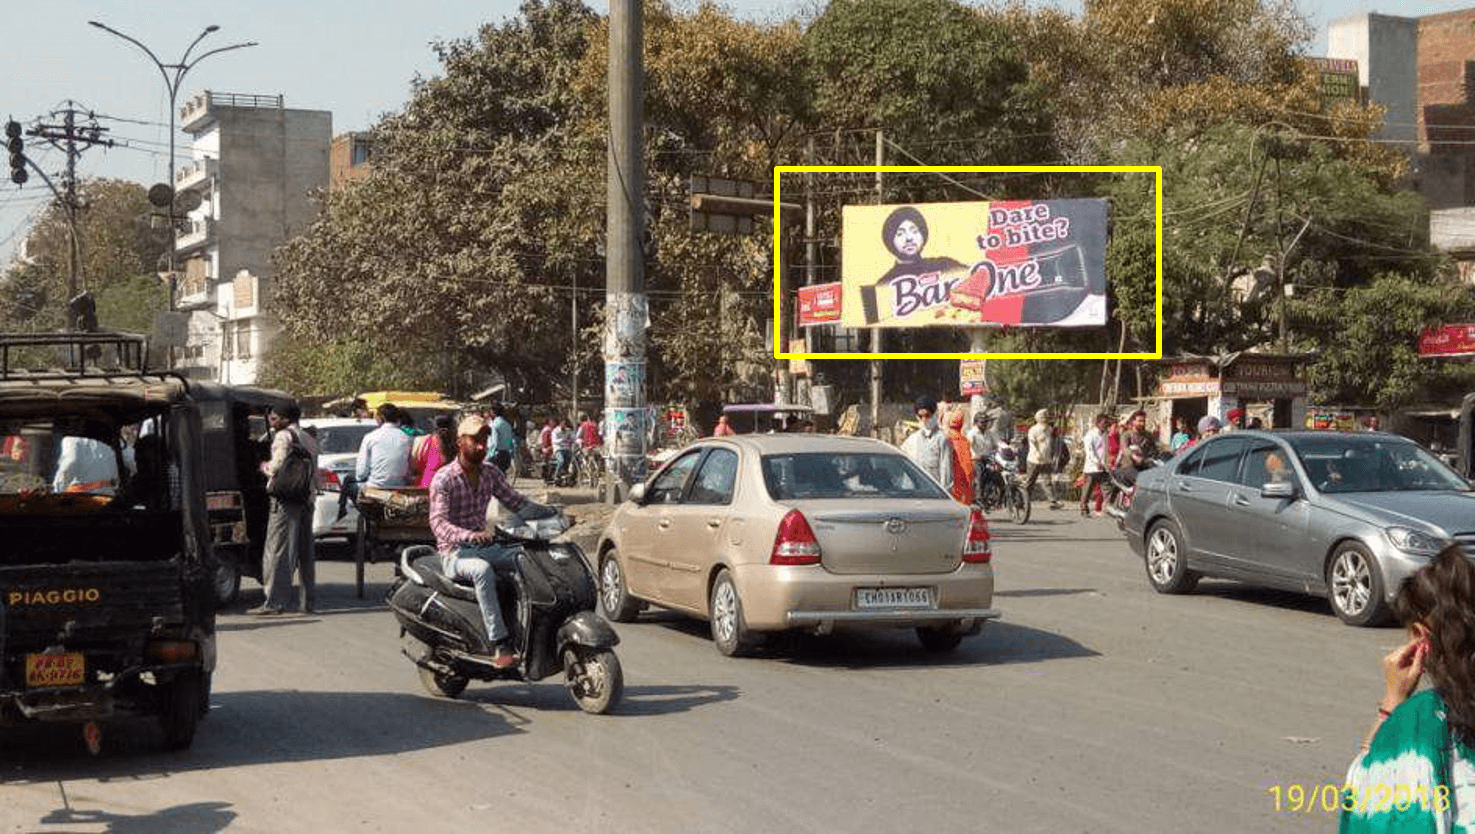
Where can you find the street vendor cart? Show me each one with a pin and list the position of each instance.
(390, 519)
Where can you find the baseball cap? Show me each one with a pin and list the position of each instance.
(471, 425)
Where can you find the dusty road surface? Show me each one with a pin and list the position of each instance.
(1096, 705)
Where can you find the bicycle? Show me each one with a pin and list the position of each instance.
(999, 487)
(590, 465)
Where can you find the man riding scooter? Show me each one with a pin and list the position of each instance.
(459, 496)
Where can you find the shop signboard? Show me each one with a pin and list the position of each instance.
(1448, 340)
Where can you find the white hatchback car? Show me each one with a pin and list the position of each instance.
(338, 450)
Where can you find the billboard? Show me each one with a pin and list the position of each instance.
(1339, 81)
(1027, 263)
(1448, 340)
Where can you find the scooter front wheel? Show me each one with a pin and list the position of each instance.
(593, 678)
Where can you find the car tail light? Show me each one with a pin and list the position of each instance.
(330, 480)
(223, 501)
(172, 651)
(976, 548)
(795, 543)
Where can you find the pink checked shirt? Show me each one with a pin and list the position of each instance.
(457, 512)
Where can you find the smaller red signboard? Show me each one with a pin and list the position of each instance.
(1448, 340)
(819, 304)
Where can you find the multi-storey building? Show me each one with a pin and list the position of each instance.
(255, 165)
(349, 158)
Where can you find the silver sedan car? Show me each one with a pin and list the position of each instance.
(764, 533)
(1344, 516)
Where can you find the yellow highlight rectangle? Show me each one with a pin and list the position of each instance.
(1156, 170)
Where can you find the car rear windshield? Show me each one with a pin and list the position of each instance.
(341, 440)
(1348, 463)
(846, 475)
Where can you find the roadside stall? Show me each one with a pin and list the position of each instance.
(1265, 385)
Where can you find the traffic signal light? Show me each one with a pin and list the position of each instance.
(16, 146)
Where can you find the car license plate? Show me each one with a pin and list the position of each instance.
(893, 598)
(64, 669)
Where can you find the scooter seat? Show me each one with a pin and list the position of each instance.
(429, 568)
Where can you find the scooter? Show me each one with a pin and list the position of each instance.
(548, 601)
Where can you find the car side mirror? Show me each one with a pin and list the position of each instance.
(1280, 489)
(637, 493)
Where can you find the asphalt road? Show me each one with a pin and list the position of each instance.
(1094, 705)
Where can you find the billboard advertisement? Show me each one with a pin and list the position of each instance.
(1023, 263)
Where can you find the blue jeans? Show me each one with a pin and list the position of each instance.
(478, 564)
(565, 458)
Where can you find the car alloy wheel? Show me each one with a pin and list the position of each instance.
(1166, 565)
(1355, 586)
(729, 632)
(614, 597)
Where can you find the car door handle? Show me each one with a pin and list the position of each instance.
(714, 523)
(1240, 500)
(664, 523)
(1183, 486)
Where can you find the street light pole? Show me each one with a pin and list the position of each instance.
(173, 79)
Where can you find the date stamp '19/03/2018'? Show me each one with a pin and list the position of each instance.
(1329, 798)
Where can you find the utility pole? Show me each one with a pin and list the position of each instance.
(876, 340)
(72, 140)
(626, 310)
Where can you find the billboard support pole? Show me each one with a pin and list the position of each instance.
(876, 340)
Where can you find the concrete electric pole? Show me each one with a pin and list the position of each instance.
(626, 310)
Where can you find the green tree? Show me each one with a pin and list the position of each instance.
(116, 244)
(1369, 335)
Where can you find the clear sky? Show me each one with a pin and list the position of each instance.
(355, 59)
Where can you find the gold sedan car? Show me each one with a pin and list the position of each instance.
(766, 533)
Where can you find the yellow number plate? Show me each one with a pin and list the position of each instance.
(65, 669)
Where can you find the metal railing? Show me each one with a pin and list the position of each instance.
(74, 352)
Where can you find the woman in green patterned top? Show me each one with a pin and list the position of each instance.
(1416, 769)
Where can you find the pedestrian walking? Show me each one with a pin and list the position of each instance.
(1093, 469)
(1041, 456)
(504, 439)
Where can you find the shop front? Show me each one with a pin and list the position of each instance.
(1266, 386)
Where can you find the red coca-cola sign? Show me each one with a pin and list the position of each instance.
(819, 304)
(1448, 340)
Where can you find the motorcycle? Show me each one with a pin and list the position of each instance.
(1121, 496)
(548, 600)
(999, 485)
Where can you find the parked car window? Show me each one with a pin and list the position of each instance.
(1347, 463)
(1221, 460)
(715, 480)
(342, 440)
(671, 483)
(846, 475)
(1267, 464)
